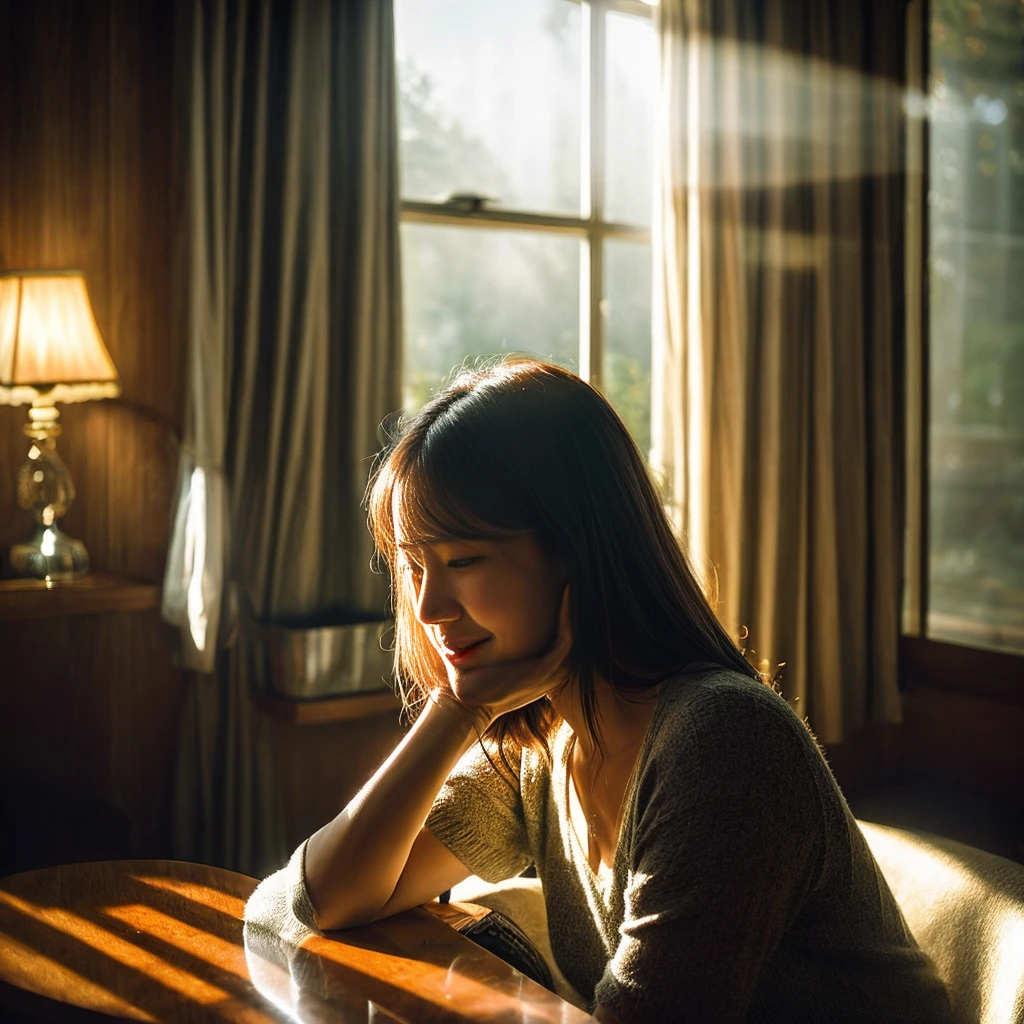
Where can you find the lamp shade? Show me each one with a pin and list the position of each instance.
(50, 347)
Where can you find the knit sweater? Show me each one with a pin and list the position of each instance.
(741, 890)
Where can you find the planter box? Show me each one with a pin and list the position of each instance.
(327, 655)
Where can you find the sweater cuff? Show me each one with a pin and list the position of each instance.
(298, 895)
(281, 905)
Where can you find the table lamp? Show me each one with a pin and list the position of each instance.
(50, 351)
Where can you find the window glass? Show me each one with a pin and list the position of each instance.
(976, 324)
(630, 92)
(626, 307)
(490, 101)
(473, 292)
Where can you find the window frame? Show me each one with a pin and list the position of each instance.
(981, 672)
(590, 227)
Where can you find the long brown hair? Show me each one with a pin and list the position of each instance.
(528, 446)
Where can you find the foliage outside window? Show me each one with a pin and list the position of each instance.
(975, 324)
(540, 113)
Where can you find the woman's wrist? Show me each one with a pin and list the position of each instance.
(451, 709)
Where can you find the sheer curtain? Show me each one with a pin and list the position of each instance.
(779, 338)
(291, 263)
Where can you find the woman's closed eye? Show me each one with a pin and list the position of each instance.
(415, 569)
(465, 562)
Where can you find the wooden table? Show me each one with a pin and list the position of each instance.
(163, 941)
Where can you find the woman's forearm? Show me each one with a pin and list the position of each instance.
(354, 862)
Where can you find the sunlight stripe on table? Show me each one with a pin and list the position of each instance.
(20, 964)
(197, 942)
(204, 895)
(121, 950)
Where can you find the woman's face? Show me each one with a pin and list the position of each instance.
(484, 601)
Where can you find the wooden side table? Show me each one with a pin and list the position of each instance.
(91, 594)
(163, 941)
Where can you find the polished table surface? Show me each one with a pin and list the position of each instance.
(164, 941)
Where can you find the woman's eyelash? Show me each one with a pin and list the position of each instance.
(463, 563)
(453, 563)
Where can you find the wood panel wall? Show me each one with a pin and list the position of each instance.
(90, 703)
(321, 767)
(85, 182)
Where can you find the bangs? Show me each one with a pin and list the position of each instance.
(428, 503)
(429, 510)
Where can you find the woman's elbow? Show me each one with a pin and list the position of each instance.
(280, 904)
(268, 906)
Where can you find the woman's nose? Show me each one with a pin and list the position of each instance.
(436, 603)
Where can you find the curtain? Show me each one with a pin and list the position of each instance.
(779, 333)
(291, 267)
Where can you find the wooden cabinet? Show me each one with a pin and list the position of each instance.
(91, 705)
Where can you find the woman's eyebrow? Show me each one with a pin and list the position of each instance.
(423, 542)
(451, 538)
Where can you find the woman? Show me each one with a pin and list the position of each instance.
(583, 711)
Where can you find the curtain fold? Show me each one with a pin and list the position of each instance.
(779, 333)
(292, 271)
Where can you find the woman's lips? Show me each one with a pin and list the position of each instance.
(461, 655)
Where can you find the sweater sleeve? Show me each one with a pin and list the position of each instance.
(280, 904)
(478, 815)
(727, 843)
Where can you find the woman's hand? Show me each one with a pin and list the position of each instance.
(493, 690)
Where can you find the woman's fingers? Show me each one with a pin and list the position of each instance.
(502, 687)
(510, 685)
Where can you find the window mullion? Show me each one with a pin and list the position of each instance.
(916, 383)
(923, 11)
(416, 211)
(592, 346)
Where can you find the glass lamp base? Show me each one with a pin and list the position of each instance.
(49, 554)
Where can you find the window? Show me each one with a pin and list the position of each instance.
(526, 136)
(969, 585)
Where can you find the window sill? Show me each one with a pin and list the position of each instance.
(328, 709)
(995, 675)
